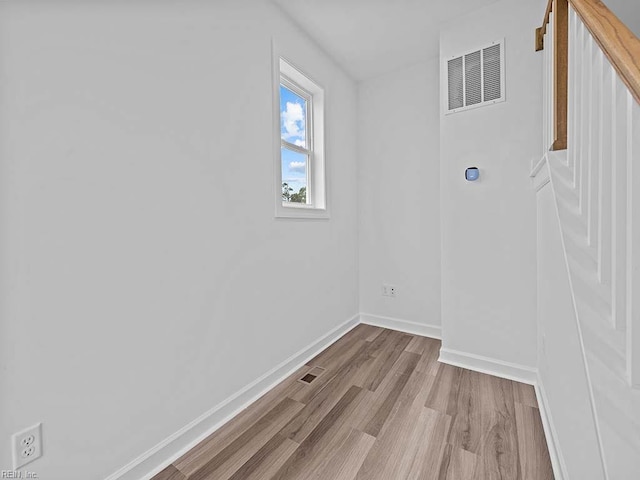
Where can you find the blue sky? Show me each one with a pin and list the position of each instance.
(293, 111)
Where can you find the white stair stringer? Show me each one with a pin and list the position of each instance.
(564, 390)
(616, 405)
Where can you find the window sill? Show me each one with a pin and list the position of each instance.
(302, 212)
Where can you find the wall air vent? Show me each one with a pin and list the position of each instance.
(475, 79)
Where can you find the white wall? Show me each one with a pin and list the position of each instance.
(628, 11)
(399, 194)
(488, 227)
(144, 278)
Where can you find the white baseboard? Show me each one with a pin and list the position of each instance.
(557, 461)
(490, 366)
(164, 453)
(431, 331)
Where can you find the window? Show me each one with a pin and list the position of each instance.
(300, 182)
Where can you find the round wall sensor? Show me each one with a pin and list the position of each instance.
(471, 174)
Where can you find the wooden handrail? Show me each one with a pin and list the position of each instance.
(618, 43)
(561, 73)
(540, 32)
(560, 9)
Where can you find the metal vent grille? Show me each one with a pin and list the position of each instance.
(456, 84)
(308, 378)
(476, 78)
(311, 375)
(492, 73)
(473, 78)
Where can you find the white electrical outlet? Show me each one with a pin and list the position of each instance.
(389, 290)
(27, 445)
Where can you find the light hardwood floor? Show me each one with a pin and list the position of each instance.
(383, 408)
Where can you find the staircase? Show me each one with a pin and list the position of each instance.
(592, 165)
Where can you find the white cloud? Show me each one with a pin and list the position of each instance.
(293, 123)
(297, 167)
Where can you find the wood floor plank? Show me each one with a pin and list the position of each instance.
(384, 408)
(170, 473)
(395, 446)
(229, 432)
(335, 353)
(370, 333)
(500, 442)
(525, 394)
(345, 461)
(535, 462)
(417, 345)
(389, 395)
(268, 460)
(429, 361)
(335, 369)
(318, 406)
(468, 426)
(459, 464)
(385, 359)
(444, 394)
(410, 448)
(232, 457)
(414, 393)
(430, 446)
(393, 451)
(382, 340)
(311, 447)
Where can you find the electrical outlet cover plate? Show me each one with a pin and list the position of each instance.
(27, 445)
(389, 290)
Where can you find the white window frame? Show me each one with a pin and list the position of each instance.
(291, 77)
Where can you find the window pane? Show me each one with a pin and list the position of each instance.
(294, 176)
(293, 117)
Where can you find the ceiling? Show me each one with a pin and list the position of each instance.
(372, 37)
